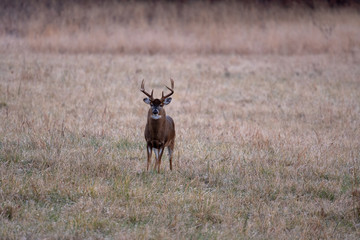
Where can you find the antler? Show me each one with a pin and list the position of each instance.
(171, 89)
(143, 90)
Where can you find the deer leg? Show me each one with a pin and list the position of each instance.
(149, 152)
(171, 150)
(156, 151)
(160, 155)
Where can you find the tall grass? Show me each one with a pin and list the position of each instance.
(266, 147)
(267, 142)
(165, 27)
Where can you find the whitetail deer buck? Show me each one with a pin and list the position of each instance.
(160, 129)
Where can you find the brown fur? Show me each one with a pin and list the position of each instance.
(159, 134)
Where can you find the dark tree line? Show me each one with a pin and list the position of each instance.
(310, 4)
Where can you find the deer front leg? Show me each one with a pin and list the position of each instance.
(161, 153)
(156, 151)
(149, 152)
(158, 154)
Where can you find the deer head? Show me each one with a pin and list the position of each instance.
(156, 105)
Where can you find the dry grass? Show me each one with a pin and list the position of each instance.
(163, 27)
(267, 147)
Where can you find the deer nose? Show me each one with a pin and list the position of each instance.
(155, 111)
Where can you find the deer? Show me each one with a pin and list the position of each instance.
(160, 128)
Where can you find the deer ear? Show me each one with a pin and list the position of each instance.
(147, 100)
(167, 100)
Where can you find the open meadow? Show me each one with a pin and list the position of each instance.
(267, 143)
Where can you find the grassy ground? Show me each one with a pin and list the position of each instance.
(266, 108)
(267, 147)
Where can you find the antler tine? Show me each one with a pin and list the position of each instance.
(142, 84)
(171, 89)
(143, 90)
(172, 83)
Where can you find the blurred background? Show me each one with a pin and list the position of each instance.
(148, 27)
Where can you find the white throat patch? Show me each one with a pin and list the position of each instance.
(156, 116)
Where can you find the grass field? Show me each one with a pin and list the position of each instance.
(267, 145)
